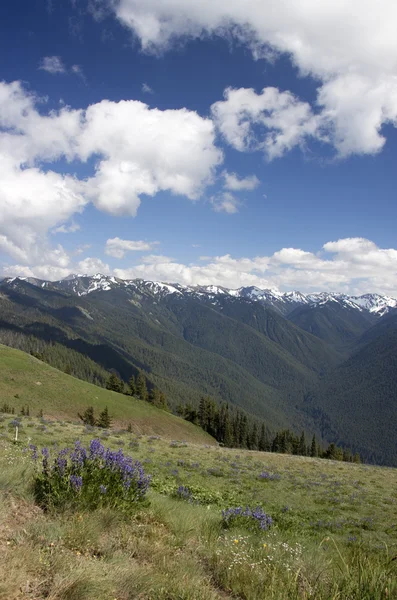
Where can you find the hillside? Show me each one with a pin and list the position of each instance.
(238, 352)
(337, 324)
(357, 401)
(26, 381)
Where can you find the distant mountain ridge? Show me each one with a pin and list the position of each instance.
(284, 302)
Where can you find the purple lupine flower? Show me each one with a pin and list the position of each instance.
(45, 454)
(264, 521)
(184, 493)
(61, 464)
(103, 489)
(76, 482)
(79, 455)
(269, 476)
(97, 450)
(33, 450)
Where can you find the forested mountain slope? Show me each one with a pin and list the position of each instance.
(324, 363)
(357, 401)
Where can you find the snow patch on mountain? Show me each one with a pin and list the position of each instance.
(284, 302)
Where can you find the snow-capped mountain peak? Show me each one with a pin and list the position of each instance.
(283, 302)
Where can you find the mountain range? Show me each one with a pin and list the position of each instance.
(284, 302)
(321, 362)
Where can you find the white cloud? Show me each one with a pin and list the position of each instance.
(117, 248)
(52, 64)
(351, 265)
(156, 259)
(92, 265)
(146, 89)
(235, 184)
(350, 48)
(287, 121)
(139, 151)
(225, 202)
(144, 151)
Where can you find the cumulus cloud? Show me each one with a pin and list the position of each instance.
(235, 184)
(138, 151)
(92, 265)
(350, 265)
(117, 248)
(283, 120)
(52, 64)
(349, 47)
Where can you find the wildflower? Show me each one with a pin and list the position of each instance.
(76, 482)
(265, 545)
(33, 450)
(45, 454)
(235, 541)
(102, 489)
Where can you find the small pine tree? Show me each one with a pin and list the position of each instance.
(132, 385)
(114, 383)
(228, 439)
(129, 428)
(141, 388)
(163, 401)
(104, 420)
(314, 447)
(263, 441)
(154, 397)
(302, 445)
(253, 438)
(88, 416)
(180, 410)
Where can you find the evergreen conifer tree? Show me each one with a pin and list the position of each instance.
(228, 439)
(313, 447)
(104, 420)
(88, 416)
(302, 445)
(263, 444)
(141, 387)
(132, 385)
(163, 401)
(254, 440)
(114, 383)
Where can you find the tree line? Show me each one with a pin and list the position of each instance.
(233, 428)
(137, 386)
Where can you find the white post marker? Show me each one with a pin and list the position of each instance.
(16, 433)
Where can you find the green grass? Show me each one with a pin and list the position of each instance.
(27, 381)
(334, 535)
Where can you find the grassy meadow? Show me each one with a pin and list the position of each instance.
(333, 536)
(27, 381)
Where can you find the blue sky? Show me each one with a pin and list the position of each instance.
(236, 143)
